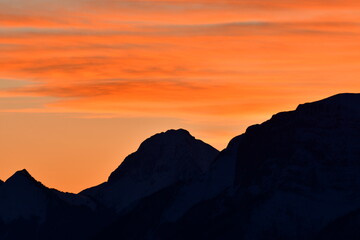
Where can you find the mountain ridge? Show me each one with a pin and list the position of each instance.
(294, 176)
(165, 139)
(160, 161)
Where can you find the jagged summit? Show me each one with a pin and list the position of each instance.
(171, 150)
(176, 132)
(162, 160)
(171, 136)
(22, 176)
(22, 173)
(21, 196)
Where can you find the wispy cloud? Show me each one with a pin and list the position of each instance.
(165, 56)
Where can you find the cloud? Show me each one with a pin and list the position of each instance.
(176, 57)
(151, 98)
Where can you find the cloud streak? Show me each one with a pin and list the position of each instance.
(221, 52)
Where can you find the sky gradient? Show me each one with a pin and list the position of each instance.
(83, 83)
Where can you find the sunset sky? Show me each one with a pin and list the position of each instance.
(83, 83)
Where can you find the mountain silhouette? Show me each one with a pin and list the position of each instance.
(172, 152)
(30, 210)
(295, 176)
(15, 190)
(161, 160)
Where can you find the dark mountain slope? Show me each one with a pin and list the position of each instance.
(29, 210)
(162, 160)
(294, 175)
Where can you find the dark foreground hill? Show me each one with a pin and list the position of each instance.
(295, 176)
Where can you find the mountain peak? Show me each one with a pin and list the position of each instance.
(171, 134)
(21, 196)
(22, 177)
(23, 172)
(177, 132)
(167, 151)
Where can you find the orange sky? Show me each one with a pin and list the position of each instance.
(83, 83)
